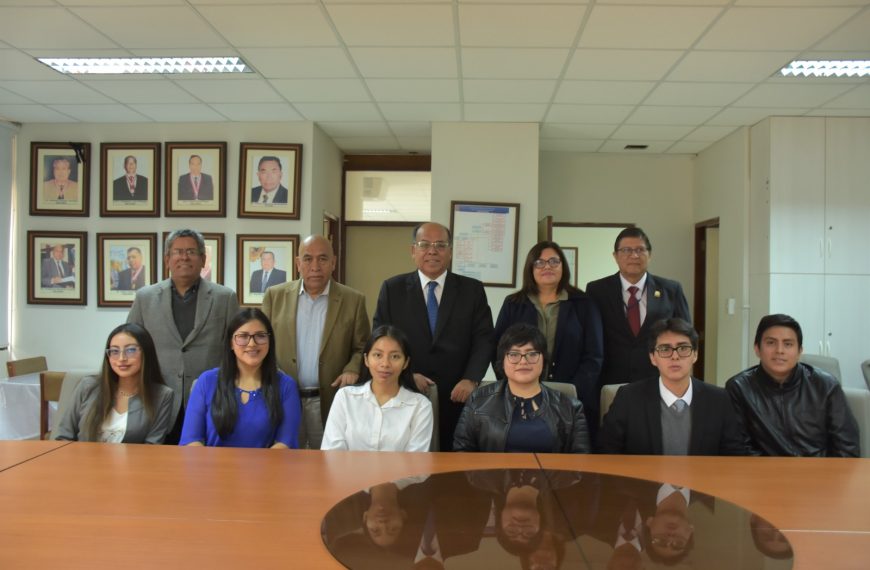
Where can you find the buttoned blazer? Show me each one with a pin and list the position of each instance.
(183, 360)
(633, 424)
(281, 194)
(121, 190)
(276, 277)
(185, 187)
(626, 357)
(345, 333)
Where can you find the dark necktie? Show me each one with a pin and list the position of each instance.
(265, 281)
(633, 310)
(432, 306)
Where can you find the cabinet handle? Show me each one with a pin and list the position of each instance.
(829, 249)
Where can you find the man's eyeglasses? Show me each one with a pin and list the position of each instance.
(552, 262)
(179, 252)
(438, 245)
(627, 251)
(128, 351)
(667, 351)
(514, 357)
(242, 339)
(675, 544)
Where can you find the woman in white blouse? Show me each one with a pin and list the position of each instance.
(128, 403)
(384, 410)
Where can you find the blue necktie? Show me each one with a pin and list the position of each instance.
(432, 306)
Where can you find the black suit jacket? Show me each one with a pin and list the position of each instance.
(121, 190)
(281, 195)
(125, 282)
(461, 346)
(626, 357)
(275, 277)
(633, 425)
(185, 187)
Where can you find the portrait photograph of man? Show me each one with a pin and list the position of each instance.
(59, 179)
(267, 275)
(130, 179)
(125, 265)
(195, 179)
(263, 262)
(133, 276)
(62, 184)
(269, 180)
(57, 270)
(195, 184)
(270, 190)
(132, 185)
(56, 263)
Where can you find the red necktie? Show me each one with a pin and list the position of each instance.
(633, 310)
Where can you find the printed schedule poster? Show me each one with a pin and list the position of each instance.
(484, 240)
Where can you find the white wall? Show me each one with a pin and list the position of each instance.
(8, 133)
(71, 337)
(594, 250)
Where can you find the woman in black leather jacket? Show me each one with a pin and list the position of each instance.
(520, 414)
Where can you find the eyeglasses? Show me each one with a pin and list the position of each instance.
(242, 339)
(552, 262)
(667, 351)
(514, 357)
(677, 544)
(438, 245)
(179, 252)
(627, 251)
(128, 351)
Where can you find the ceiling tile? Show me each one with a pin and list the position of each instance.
(299, 62)
(677, 115)
(411, 129)
(748, 66)
(18, 66)
(653, 146)
(824, 112)
(650, 133)
(790, 95)
(367, 144)
(416, 144)
(102, 113)
(750, 116)
(855, 35)
(621, 64)
(508, 90)
(405, 62)
(418, 90)
(603, 92)
(720, 94)
(857, 98)
(575, 131)
(26, 27)
(519, 63)
(8, 97)
(247, 25)
(361, 129)
(152, 26)
(180, 113)
(421, 111)
(393, 25)
(709, 133)
(230, 90)
(33, 114)
(750, 28)
(592, 114)
(659, 27)
(271, 112)
(519, 26)
(506, 112)
(570, 145)
(338, 111)
(688, 147)
(321, 90)
(142, 90)
(67, 91)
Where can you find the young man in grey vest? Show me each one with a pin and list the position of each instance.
(672, 414)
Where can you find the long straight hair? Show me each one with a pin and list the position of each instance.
(530, 287)
(149, 378)
(406, 377)
(224, 405)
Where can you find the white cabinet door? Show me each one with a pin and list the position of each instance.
(847, 199)
(847, 324)
(802, 297)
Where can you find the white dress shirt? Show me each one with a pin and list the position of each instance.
(669, 397)
(357, 422)
(424, 283)
(641, 285)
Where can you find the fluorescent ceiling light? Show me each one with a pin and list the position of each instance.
(810, 68)
(118, 65)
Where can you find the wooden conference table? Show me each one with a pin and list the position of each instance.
(82, 505)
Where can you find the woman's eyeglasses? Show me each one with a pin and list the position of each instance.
(552, 262)
(242, 339)
(127, 351)
(514, 357)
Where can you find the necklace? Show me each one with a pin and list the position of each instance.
(124, 394)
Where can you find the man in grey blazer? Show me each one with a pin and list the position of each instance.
(186, 316)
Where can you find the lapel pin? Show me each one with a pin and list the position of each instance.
(657, 294)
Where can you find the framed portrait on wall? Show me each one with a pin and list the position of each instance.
(213, 269)
(263, 261)
(60, 179)
(125, 264)
(57, 268)
(269, 180)
(196, 179)
(130, 179)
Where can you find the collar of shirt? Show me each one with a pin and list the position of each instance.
(325, 289)
(270, 196)
(187, 294)
(424, 283)
(403, 398)
(667, 490)
(669, 397)
(641, 284)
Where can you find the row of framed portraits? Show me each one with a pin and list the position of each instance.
(57, 264)
(194, 179)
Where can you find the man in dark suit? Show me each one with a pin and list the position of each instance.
(270, 190)
(131, 186)
(195, 185)
(673, 414)
(630, 302)
(447, 320)
(264, 278)
(55, 271)
(132, 278)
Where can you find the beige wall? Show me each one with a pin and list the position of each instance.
(326, 181)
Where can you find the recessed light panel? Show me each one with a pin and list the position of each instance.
(837, 68)
(125, 65)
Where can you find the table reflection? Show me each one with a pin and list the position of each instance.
(546, 520)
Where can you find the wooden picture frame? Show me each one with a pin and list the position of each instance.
(57, 268)
(60, 179)
(130, 180)
(485, 241)
(264, 166)
(196, 184)
(571, 257)
(126, 262)
(251, 269)
(213, 270)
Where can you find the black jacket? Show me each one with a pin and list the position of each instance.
(486, 419)
(806, 416)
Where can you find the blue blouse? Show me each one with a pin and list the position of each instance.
(253, 428)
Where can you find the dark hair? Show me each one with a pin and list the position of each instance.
(673, 325)
(665, 560)
(149, 376)
(224, 406)
(269, 159)
(778, 320)
(186, 232)
(632, 233)
(192, 156)
(134, 248)
(510, 546)
(530, 287)
(270, 253)
(418, 226)
(406, 377)
(130, 157)
(517, 335)
(755, 529)
(548, 539)
(62, 159)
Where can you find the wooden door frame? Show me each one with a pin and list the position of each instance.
(700, 306)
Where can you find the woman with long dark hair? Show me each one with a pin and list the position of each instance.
(384, 410)
(128, 403)
(246, 402)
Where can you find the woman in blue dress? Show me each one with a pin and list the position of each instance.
(246, 402)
